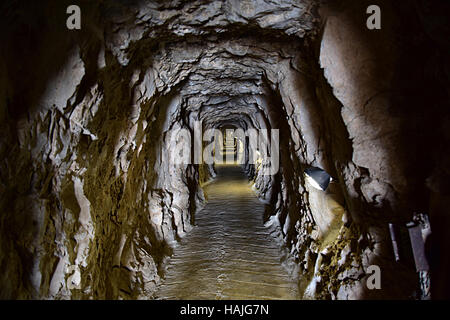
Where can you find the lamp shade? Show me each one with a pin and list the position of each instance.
(318, 178)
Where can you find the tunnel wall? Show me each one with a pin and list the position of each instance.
(90, 200)
(371, 136)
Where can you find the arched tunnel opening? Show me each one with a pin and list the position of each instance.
(224, 150)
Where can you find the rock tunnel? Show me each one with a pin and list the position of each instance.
(97, 204)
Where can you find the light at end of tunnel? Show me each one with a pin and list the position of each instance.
(317, 178)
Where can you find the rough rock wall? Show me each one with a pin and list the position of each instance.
(90, 203)
(90, 198)
(375, 136)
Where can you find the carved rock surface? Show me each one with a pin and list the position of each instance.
(93, 202)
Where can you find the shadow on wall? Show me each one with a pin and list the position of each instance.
(379, 76)
(36, 48)
(33, 51)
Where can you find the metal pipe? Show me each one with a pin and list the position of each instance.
(394, 242)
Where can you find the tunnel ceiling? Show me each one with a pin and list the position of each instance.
(222, 70)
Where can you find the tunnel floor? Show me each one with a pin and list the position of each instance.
(230, 254)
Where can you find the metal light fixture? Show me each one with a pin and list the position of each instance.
(318, 178)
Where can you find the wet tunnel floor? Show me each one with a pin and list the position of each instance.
(230, 254)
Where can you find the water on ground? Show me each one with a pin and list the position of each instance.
(230, 254)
